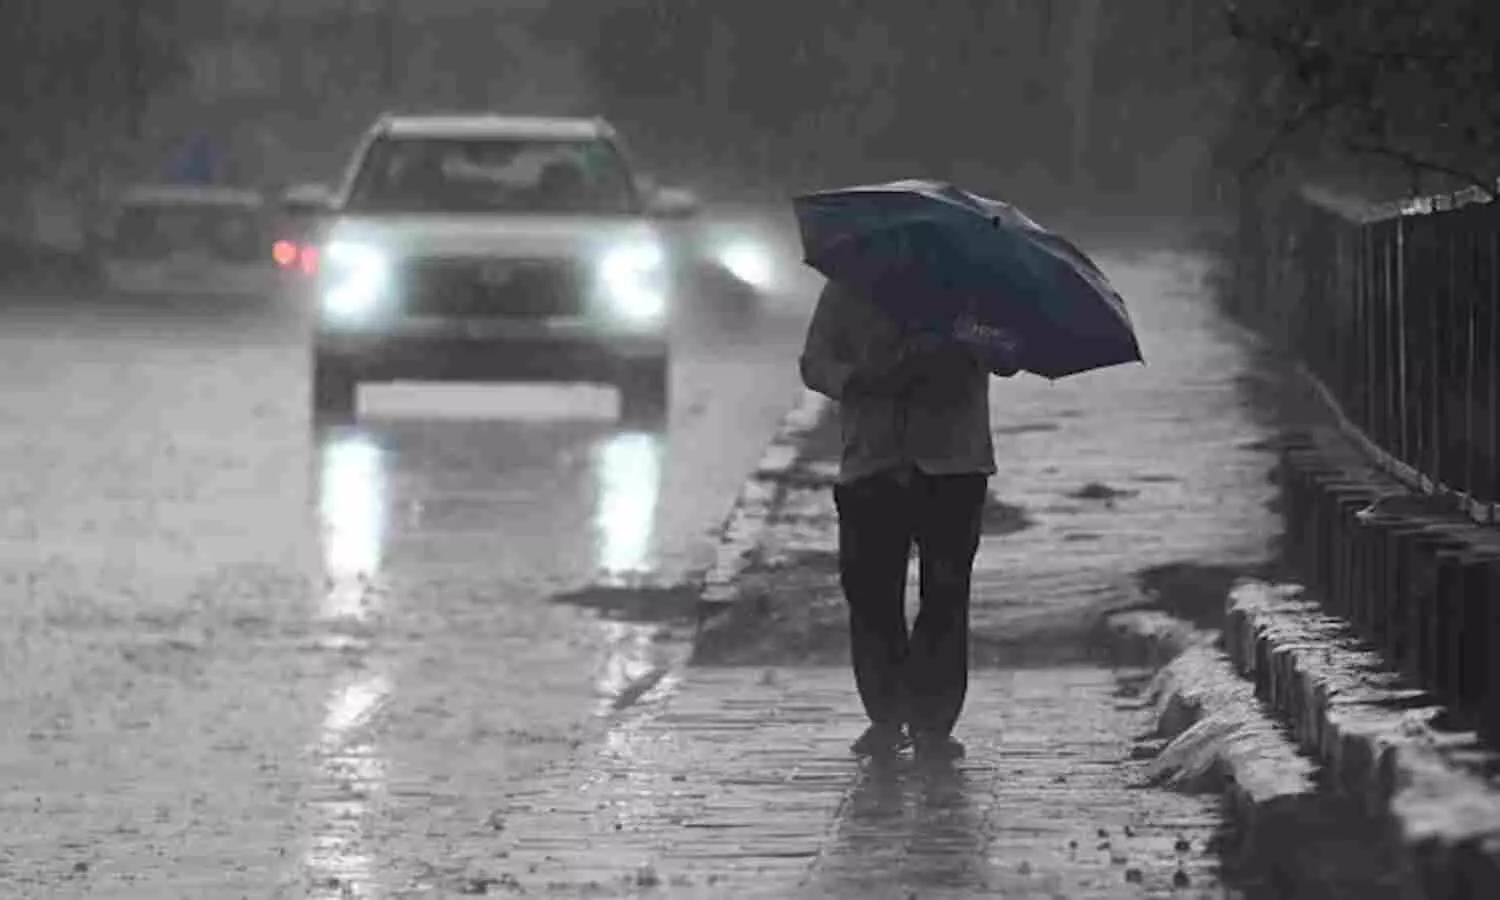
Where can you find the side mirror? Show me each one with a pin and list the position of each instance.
(307, 200)
(674, 204)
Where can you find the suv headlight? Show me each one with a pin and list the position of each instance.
(356, 279)
(633, 280)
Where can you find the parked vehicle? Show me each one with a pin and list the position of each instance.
(184, 240)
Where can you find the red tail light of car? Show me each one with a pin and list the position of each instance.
(290, 255)
(285, 253)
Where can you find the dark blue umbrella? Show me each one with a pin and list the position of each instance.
(942, 260)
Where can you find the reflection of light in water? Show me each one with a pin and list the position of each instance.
(353, 707)
(351, 772)
(632, 668)
(629, 469)
(634, 672)
(353, 509)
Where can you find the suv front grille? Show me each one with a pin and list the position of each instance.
(474, 288)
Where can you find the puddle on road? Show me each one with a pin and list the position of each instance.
(643, 605)
(646, 632)
(1002, 518)
(1103, 493)
(1194, 592)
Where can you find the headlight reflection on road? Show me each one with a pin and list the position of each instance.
(353, 707)
(634, 667)
(352, 507)
(352, 773)
(637, 672)
(629, 471)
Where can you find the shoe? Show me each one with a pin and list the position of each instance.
(938, 747)
(881, 740)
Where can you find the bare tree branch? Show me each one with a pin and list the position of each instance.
(1377, 79)
(1416, 161)
(1289, 127)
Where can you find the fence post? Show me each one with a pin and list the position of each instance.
(1436, 307)
(1443, 355)
(1370, 420)
(1471, 352)
(1349, 323)
(1402, 339)
(1492, 378)
(1359, 284)
(1390, 241)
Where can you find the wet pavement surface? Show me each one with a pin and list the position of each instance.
(740, 784)
(437, 656)
(240, 658)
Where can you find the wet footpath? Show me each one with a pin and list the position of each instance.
(732, 776)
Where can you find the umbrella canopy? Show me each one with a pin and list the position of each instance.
(944, 260)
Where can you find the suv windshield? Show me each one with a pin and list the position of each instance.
(505, 175)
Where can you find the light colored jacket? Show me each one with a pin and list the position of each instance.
(940, 426)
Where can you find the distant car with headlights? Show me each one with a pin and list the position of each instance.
(735, 267)
(490, 248)
(184, 240)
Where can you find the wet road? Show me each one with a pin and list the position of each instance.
(236, 655)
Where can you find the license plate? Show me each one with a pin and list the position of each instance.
(493, 329)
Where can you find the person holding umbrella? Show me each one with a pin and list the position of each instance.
(916, 463)
(930, 291)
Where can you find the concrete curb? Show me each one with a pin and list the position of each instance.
(757, 500)
(1214, 727)
(1292, 835)
(1218, 728)
(1375, 739)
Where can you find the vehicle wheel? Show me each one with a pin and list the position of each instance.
(334, 390)
(644, 392)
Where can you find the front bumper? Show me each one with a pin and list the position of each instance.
(492, 349)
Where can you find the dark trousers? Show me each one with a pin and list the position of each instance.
(920, 676)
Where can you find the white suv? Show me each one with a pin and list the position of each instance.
(490, 248)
